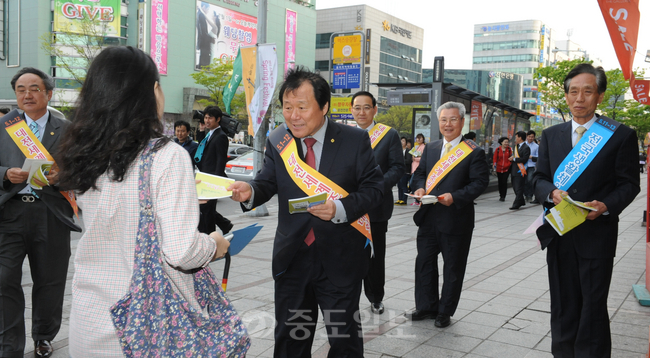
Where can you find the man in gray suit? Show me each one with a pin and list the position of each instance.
(34, 223)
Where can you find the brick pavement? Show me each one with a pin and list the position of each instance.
(503, 311)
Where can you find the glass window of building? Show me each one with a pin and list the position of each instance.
(323, 40)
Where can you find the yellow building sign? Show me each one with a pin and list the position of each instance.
(347, 49)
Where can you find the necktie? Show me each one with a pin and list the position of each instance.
(447, 148)
(516, 150)
(201, 147)
(35, 130)
(580, 130)
(310, 159)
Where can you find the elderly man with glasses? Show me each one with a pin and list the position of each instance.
(35, 220)
(451, 174)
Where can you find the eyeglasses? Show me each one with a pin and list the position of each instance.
(364, 108)
(452, 120)
(24, 91)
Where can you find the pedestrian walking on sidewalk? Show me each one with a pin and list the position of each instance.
(502, 166)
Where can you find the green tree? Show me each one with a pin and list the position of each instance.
(617, 86)
(550, 83)
(398, 117)
(637, 117)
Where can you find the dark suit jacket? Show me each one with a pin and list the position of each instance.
(388, 155)
(465, 183)
(347, 160)
(215, 154)
(11, 157)
(408, 161)
(612, 177)
(524, 155)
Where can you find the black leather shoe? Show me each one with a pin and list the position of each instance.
(442, 321)
(227, 228)
(419, 315)
(377, 308)
(515, 207)
(43, 349)
(534, 201)
(502, 199)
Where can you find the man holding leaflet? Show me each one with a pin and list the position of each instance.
(319, 257)
(594, 160)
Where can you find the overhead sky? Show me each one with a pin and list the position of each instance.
(449, 25)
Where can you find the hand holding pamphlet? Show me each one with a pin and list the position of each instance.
(37, 169)
(426, 199)
(414, 152)
(212, 186)
(300, 205)
(567, 215)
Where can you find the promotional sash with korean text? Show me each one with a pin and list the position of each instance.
(522, 167)
(376, 133)
(309, 180)
(31, 147)
(448, 162)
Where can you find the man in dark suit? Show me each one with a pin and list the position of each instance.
(403, 184)
(319, 257)
(519, 158)
(211, 157)
(446, 227)
(35, 223)
(580, 263)
(388, 155)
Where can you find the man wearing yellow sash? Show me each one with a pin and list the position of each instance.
(387, 148)
(321, 256)
(33, 222)
(453, 170)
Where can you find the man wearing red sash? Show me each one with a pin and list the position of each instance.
(446, 227)
(319, 257)
(35, 223)
(386, 146)
(580, 263)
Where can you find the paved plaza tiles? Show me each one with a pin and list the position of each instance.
(504, 307)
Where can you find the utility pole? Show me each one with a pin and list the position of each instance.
(260, 137)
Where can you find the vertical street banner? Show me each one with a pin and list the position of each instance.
(159, 9)
(290, 40)
(475, 116)
(267, 77)
(622, 20)
(72, 17)
(249, 60)
(142, 24)
(231, 88)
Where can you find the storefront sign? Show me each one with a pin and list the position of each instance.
(396, 29)
(506, 75)
(340, 108)
(159, 34)
(105, 14)
(495, 28)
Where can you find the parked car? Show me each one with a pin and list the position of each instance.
(236, 150)
(241, 168)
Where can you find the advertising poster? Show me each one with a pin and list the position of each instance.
(341, 108)
(475, 116)
(69, 16)
(422, 124)
(158, 51)
(220, 32)
(290, 40)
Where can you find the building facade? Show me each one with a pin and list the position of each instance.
(392, 52)
(170, 31)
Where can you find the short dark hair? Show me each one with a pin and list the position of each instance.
(599, 72)
(295, 78)
(364, 93)
(470, 135)
(502, 139)
(182, 123)
(531, 132)
(4, 110)
(47, 80)
(421, 135)
(521, 134)
(213, 111)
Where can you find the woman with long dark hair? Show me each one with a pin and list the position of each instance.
(118, 115)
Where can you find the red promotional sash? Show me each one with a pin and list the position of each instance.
(32, 148)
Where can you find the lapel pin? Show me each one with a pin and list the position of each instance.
(332, 140)
(51, 133)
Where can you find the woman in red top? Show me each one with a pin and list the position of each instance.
(502, 165)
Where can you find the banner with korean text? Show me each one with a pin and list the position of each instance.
(248, 60)
(267, 76)
(290, 40)
(622, 20)
(476, 115)
(104, 15)
(159, 11)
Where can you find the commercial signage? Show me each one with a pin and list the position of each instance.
(291, 25)
(142, 23)
(530, 89)
(396, 29)
(220, 32)
(340, 108)
(368, 46)
(158, 52)
(495, 28)
(347, 76)
(506, 75)
(105, 14)
(476, 116)
(347, 49)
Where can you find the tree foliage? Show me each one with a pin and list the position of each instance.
(550, 83)
(636, 116)
(398, 117)
(214, 78)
